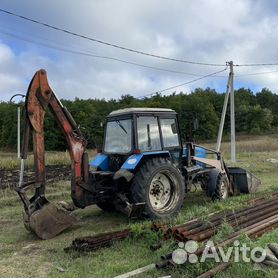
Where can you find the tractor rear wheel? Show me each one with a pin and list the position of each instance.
(160, 185)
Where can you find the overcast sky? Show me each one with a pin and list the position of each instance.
(210, 31)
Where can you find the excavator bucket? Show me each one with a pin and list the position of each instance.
(48, 221)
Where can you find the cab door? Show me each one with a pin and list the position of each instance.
(170, 137)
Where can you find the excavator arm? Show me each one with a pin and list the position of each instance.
(43, 218)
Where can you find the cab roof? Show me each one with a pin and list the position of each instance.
(142, 110)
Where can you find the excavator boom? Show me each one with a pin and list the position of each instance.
(40, 216)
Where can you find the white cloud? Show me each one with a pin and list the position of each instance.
(202, 30)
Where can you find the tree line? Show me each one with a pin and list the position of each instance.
(199, 115)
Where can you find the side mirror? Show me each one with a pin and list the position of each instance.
(174, 128)
(195, 124)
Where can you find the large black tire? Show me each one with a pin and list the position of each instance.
(160, 185)
(106, 206)
(218, 185)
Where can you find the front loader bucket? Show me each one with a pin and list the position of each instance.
(48, 221)
(243, 180)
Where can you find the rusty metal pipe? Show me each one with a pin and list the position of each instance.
(100, 240)
(215, 270)
(91, 243)
(264, 224)
(253, 208)
(261, 232)
(263, 219)
(224, 266)
(206, 232)
(259, 199)
(156, 245)
(105, 234)
(210, 232)
(217, 221)
(166, 257)
(161, 264)
(256, 218)
(268, 222)
(195, 221)
(92, 240)
(196, 225)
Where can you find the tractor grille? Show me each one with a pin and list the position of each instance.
(115, 162)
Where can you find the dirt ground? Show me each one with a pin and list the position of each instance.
(9, 177)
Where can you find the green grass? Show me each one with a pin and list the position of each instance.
(23, 255)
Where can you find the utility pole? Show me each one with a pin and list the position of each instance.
(229, 93)
(232, 108)
(18, 123)
(18, 132)
(224, 110)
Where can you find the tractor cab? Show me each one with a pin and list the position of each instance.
(141, 130)
(134, 134)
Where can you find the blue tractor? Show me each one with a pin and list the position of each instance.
(144, 168)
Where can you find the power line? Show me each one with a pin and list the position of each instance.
(107, 43)
(205, 76)
(89, 54)
(256, 65)
(94, 55)
(127, 48)
(256, 73)
(182, 84)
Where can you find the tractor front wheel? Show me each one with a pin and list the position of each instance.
(218, 185)
(159, 184)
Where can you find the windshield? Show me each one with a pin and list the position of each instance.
(118, 136)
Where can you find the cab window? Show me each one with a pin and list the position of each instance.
(148, 134)
(118, 136)
(169, 133)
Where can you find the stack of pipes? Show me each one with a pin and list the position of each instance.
(199, 230)
(253, 221)
(91, 243)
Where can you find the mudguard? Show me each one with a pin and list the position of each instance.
(100, 161)
(213, 176)
(132, 162)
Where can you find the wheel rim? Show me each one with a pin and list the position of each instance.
(163, 191)
(223, 190)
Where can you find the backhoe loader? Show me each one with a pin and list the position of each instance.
(144, 169)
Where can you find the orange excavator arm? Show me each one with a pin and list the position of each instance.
(39, 97)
